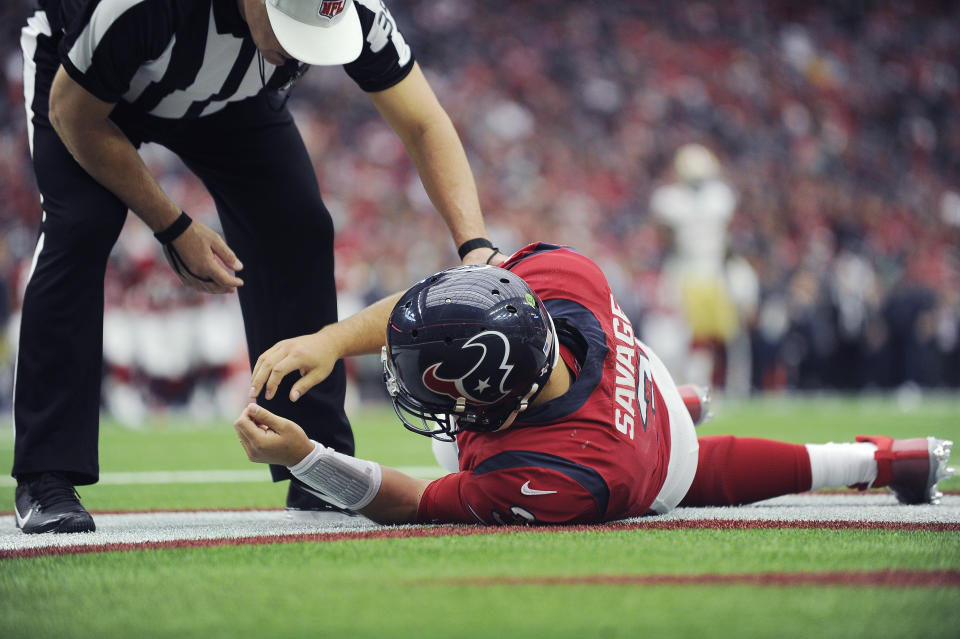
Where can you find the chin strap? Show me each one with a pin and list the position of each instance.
(522, 407)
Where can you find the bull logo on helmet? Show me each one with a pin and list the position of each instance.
(485, 382)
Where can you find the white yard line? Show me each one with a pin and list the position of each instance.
(140, 528)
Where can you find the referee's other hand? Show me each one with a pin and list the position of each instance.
(205, 259)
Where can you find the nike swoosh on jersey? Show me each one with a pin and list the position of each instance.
(526, 490)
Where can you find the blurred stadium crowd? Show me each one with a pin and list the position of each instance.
(835, 124)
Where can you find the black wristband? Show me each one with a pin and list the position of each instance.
(175, 230)
(475, 243)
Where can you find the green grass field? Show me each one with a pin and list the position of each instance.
(433, 587)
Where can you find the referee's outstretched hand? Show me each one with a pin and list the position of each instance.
(200, 258)
(314, 356)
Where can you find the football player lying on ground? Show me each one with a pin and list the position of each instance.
(560, 414)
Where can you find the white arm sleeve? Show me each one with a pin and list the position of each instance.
(347, 482)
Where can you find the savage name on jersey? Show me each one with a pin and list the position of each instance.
(597, 453)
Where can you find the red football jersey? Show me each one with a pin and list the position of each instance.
(597, 453)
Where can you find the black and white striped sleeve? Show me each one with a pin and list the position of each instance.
(386, 58)
(104, 46)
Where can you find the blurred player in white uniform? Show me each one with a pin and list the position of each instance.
(697, 209)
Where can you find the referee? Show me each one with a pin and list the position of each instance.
(203, 78)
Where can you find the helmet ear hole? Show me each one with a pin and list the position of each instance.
(495, 292)
(511, 309)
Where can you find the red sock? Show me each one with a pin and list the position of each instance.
(739, 470)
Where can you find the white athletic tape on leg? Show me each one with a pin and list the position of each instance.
(838, 465)
(349, 482)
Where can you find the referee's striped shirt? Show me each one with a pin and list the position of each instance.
(190, 58)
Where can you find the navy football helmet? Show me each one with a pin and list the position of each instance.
(467, 349)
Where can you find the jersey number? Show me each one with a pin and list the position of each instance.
(384, 29)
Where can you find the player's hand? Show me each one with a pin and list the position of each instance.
(200, 258)
(484, 255)
(313, 355)
(271, 439)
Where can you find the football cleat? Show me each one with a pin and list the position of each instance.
(697, 400)
(50, 503)
(912, 468)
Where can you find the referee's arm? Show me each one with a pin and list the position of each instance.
(83, 123)
(412, 110)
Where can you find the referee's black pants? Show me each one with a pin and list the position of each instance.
(252, 159)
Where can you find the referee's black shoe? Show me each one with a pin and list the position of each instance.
(48, 502)
(305, 505)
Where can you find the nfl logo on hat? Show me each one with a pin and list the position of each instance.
(317, 31)
(331, 8)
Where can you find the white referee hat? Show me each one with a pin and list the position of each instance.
(317, 31)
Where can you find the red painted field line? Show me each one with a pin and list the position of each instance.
(753, 524)
(444, 531)
(892, 578)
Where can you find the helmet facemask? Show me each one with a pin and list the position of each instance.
(414, 416)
